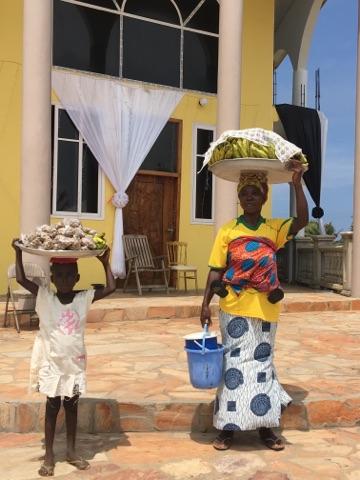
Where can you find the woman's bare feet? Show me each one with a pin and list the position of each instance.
(224, 440)
(271, 440)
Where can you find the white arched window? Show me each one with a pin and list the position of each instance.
(165, 42)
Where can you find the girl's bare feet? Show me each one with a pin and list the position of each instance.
(271, 440)
(47, 468)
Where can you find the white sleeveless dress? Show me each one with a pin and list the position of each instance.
(58, 360)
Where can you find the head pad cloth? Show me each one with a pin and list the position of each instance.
(62, 260)
(257, 179)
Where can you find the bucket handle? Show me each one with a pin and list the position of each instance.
(205, 331)
(200, 345)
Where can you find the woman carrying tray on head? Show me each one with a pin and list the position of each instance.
(243, 258)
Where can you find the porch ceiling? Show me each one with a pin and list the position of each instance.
(281, 16)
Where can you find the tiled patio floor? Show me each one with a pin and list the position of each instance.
(137, 370)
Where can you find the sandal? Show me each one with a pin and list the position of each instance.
(80, 463)
(271, 441)
(46, 470)
(224, 440)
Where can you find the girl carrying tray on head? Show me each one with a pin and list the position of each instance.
(243, 258)
(58, 359)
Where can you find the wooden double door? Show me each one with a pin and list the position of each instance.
(153, 208)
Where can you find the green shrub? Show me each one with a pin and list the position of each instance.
(313, 228)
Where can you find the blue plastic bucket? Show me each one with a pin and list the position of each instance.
(205, 367)
(194, 341)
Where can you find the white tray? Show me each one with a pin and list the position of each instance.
(230, 169)
(61, 253)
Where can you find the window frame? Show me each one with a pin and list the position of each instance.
(194, 219)
(182, 26)
(101, 180)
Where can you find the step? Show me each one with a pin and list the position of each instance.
(118, 309)
(111, 416)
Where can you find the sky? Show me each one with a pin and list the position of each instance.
(333, 50)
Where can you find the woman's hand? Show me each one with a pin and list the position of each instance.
(302, 214)
(298, 168)
(205, 315)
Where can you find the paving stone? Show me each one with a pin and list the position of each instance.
(7, 417)
(26, 417)
(269, 476)
(95, 315)
(295, 417)
(161, 312)
(332, 412)
(176, 417)
(186, 469)
(106, 419)
(114, 315)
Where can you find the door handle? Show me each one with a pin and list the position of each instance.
(170, 230)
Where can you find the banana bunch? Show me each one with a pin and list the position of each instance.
(302, 158)
(99, 240)
(241, 148)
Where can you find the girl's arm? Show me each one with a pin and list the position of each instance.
(205, 315)
(302, 213)
(110, 280)
(20, 273)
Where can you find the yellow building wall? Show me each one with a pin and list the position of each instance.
(256, 111)
(10, 129)
(199, 237)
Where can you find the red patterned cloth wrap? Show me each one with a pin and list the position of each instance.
(251, 263)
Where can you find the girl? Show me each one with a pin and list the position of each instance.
(59, 356)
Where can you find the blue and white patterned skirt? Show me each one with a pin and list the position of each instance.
(250, 395)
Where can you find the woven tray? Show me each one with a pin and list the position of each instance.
(61, 253)
(230, 169)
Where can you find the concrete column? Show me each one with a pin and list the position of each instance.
(299, 90)
(347, 238)
(36, 114)
(355, 283)
(228, 98)
(299, 94)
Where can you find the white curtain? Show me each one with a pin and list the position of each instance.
(120, 124)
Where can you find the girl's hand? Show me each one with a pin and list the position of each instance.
(205, 316)
(15, 247)
(105, 257)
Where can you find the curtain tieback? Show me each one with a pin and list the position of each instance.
(120, 199)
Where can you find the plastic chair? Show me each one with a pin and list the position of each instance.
(140, 260)
(177, 258)
(20, 301)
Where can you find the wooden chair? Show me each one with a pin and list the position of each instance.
(140, 260)
(18, 300)
(177, 259)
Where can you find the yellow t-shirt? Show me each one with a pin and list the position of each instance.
(250, 302)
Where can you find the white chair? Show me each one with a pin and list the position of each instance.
(18, 300)
(177, 259)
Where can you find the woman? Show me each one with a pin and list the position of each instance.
(244, 259)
